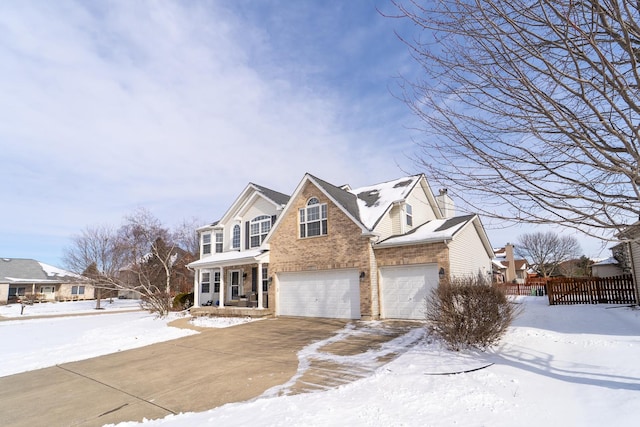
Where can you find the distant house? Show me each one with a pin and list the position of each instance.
(337, 252)
(606, 268)
(507, 269)
(29, 279)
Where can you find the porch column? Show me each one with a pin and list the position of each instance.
(196, 288)
(221, 295)
(259, 287)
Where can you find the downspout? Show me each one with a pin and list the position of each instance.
(633, 273)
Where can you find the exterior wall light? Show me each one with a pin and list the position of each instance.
(441, 273)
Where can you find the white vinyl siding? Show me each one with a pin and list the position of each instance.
(385, 226)
(259, 207)
(467, 254)
(328, 293)
(422, 210)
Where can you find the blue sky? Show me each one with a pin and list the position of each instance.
(176, 106)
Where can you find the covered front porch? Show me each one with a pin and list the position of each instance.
(231, 283)
(231, 311)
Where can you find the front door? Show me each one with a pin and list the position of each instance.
(234, 284)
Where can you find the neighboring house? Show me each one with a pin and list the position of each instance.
(328, 251)
(606, 268)
(30, 279)
(232, 269)
(627, 252)
(506, 269)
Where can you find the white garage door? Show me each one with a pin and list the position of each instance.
(332, 293)
(404, 290)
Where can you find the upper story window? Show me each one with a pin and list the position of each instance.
(235, 237)
(206, 244)
(259, 229)
(219, 241)
(409, 214)
(313, 219)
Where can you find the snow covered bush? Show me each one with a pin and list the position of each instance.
(465, 312)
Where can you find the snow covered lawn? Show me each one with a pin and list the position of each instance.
(562, 365)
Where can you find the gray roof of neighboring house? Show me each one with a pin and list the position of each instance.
(21, 270)
(280, 198)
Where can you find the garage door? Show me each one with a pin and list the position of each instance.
(332, 293)
(403, 290)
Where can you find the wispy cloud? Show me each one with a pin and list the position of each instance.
(172, 106)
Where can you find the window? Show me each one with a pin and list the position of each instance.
(265, 280)
(16, 292)
(313, 219)
(216, 282)
(235, 239)
(77, 290)
(259, 229)
(205, 283)
(206, 244)
(218, 241)
(409, 213)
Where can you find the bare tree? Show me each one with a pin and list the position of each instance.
(142, 256)
(546, 251)
(531, 108)
(97, 256)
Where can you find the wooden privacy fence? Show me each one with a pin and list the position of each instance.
(591, 290)
(529, 288)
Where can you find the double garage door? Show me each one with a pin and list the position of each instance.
(336, 293)
(403, 290)
(333, 293)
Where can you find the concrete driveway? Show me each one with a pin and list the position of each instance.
(193, 373)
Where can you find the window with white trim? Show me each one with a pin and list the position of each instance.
(206, 244)
(409, 214)
(216, 282)
(258, 230)
(313, 219)
(77, 290)
(219, 240)
(235, 237)
(265, 279)
(205, 283)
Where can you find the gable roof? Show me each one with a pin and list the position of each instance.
(375, 200)
(21, 270)
(344, 198)
(366, 206)
(275, 197)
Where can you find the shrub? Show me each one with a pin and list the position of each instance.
(183, 301)
(465, 312)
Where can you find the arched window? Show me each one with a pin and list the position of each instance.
(259, 229)
(235, 237)
(313, 219)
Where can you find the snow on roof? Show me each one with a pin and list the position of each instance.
(24, 270)
(436, 230)
(373, 201)
(608, 261)
(52, 271)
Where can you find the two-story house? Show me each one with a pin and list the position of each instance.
(232, 269)
(365, 253)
